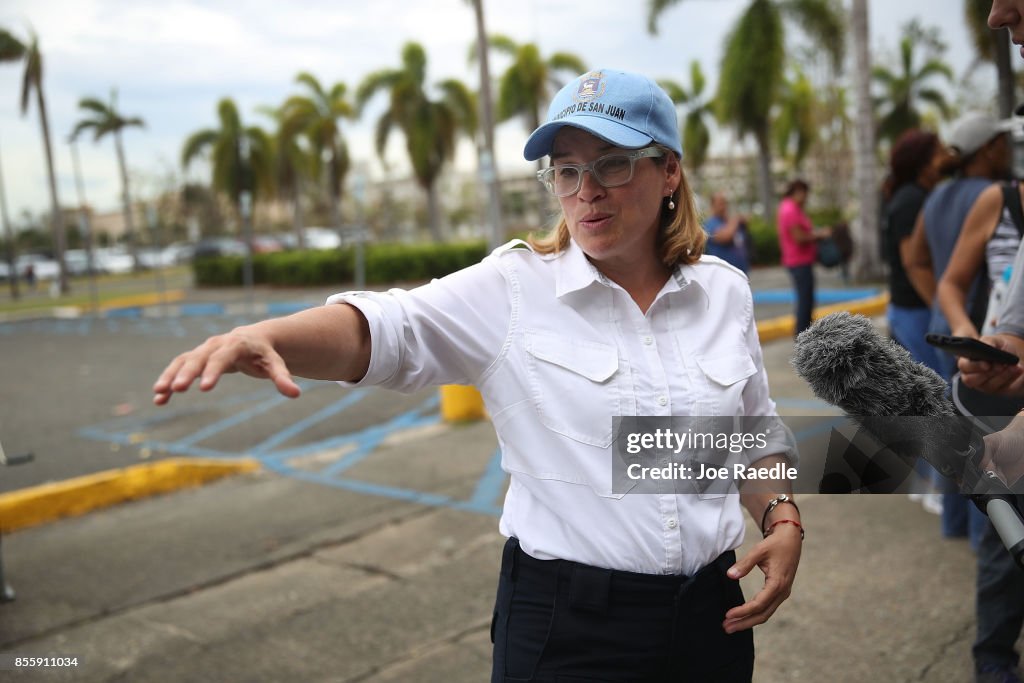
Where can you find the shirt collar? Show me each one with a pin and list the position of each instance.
(575, 272)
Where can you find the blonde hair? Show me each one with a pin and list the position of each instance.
(681, 236)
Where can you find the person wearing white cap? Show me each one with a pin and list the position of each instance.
(614, 313)
(979, 155)
(999, 596)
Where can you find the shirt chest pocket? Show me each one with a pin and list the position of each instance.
(573, 385)
(726, 376)
(728, 369)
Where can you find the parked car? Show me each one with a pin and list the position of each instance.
(77, 261)
(114, 260)
(321, 238)
(178, 252)
(266, 244)
(219, 246)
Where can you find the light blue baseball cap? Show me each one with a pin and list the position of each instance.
(625, 109)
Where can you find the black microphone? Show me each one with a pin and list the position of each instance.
(903, 403)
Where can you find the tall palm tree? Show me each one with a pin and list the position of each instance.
(696, 136)
(293, 164)
(752, 67)
(430, 126)
(796, 126)
(104, 119)
(13, 49)
(488, 162)
(528, 84)
(992, 46)
(241, 163)
(318, 115)
(866, 264)
(905, 89)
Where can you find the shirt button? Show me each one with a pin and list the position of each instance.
(662, 400)
(672, 524)
(648, 340)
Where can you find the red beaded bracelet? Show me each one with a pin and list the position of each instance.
(795, 523)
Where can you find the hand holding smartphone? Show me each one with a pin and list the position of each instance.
(973, 349)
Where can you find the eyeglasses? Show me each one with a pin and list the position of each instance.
(611, 170)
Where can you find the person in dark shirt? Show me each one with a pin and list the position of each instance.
(728, 235)
(913, 172)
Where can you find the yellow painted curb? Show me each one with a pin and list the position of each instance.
(150, 299)
(461, 403)
(47, 502)
(783, 326)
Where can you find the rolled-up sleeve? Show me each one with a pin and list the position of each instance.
(445, 332)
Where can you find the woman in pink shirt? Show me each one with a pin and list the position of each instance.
(798, 242)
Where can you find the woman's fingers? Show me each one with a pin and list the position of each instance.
(234, 352)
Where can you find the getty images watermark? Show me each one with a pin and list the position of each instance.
(702, 455)
(713, 456)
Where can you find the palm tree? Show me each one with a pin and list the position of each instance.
(318, 117)
(796, 126)
(13, 49)
(992, 46)
(696, 136)
(529, 82)
(104, 119)
(488, 163)
(430, 126)
(293, 164)
(865, 228)
(752, 67)
(906, 88)
(241, 163)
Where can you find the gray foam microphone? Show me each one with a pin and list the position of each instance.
(874, 380)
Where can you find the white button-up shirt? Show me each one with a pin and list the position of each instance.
(557, 350)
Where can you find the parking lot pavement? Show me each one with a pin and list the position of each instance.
(366, 549)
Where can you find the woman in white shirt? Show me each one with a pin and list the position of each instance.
(613, 313)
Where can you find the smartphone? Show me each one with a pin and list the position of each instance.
(971, 348)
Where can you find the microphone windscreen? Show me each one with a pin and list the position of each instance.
(848, 364)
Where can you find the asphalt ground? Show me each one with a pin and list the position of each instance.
(366, 548)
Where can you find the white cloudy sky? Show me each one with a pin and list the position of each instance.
(171, 61)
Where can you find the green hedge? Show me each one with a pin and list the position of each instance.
(387, 263)
(765, 242)
(384, 263)
(766, 238)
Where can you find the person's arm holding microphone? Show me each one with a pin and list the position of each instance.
(1004, 450)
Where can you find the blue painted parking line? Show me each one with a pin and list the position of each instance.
(128, 312)
(491, 484)
(297, 428)
(802, 403)
(278, 308)
(822, 296)
(201, 309)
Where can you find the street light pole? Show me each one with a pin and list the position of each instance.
(154, 232)
(488, 167)
(359, 195)
(245, 208)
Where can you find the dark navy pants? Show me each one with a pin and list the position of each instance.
(803, 283)
(999, 604)
(563, 622)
